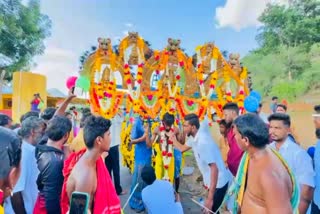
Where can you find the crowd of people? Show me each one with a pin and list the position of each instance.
(257, 166)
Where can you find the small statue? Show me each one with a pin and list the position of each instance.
(104, 45)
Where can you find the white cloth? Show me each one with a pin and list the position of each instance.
(115, 130)
(299, 161)
(207, 152)
(264, 117)
(27, 182)
(159, 198)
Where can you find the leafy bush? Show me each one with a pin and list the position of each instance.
(289, 90)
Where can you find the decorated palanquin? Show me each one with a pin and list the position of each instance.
(155, 82)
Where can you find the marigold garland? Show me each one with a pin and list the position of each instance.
(105, 99)
(127, 154)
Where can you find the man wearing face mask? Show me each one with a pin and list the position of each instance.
(26, 191)
(10, 156)
(50, 158)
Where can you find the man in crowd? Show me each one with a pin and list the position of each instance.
(50, 158)
(261, 114)
(208, 157)
(48, 113)
(35, 102)
(231, 112)
(296, 157)
(159, 196)
(5, 121)
(168, 123)
(281, 108)
(77, 143)
(142, 158)
(25, 192)
(316, 197)
(266, 183)
(112, 160)
(86, 172)
(25, 116)
(10, 156)
(274, 103)
(316, 117)
(223, 144)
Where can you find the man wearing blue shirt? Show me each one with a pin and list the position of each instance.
(159, 196)
(316, 196)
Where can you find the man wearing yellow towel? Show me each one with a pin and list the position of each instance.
(264, 182)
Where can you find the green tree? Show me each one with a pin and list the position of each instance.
(287, 62)
(311, 74)
(291, 26)
(295, 60)
(23, 29)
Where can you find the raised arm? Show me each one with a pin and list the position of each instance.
(63, 107)
(154, 136)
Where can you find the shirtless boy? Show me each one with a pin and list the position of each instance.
(167, 121)
(86, 174)
(269, 187)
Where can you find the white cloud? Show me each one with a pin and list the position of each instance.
(239, 14)
(125, 33)
(57, 65)
(129, 25)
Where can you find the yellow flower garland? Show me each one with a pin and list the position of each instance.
(127, 155)
(167, 99)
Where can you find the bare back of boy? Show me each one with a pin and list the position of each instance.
(83, 178)
(269, 186)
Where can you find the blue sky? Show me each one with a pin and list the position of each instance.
(76, 25)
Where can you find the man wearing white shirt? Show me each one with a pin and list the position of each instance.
(26, 191)
(112, 160)
(208, 157)
(298, 159)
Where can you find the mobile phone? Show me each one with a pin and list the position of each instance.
(77, 91)
(79, 203)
